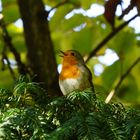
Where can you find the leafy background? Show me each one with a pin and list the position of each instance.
(83, 33)
(26, 109)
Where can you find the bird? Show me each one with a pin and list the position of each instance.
(75, 75)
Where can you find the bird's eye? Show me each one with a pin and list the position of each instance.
(73, 54)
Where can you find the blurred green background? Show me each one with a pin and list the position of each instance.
(81, 25)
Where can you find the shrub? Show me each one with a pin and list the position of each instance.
(27, 113)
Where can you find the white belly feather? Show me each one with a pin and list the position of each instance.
(68, 85)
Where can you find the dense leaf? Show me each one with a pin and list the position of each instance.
(59, 16)
(8, 10)
(111, 74)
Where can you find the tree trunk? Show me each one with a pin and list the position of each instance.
(40, 54)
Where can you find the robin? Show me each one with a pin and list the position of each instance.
(74, 75)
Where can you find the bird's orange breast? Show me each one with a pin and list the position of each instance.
(69, 72)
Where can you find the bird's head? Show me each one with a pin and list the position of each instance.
(71, 57)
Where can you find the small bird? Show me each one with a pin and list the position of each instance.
(74, 75)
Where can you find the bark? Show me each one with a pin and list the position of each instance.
(39, 44)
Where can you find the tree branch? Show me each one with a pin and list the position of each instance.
(4, 57)
(108, 37)
(112, 93)
(7, 39)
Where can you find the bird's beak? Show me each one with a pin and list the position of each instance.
(61, 53)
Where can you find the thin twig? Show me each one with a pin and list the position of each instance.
(127, 10)
(112, 93)
(7, 40)
(108, 37)
(58, 5)
(4, 57)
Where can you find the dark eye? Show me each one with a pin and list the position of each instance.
(73, 54)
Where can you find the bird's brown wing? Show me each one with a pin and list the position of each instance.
(89, 74)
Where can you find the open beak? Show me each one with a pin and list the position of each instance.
(61, 53)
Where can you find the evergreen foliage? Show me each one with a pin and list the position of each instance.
(27, 113)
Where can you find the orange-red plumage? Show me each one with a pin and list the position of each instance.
(69, 72)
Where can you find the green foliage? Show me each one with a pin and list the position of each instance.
(10, 7)
(113, 73)
(80, 115)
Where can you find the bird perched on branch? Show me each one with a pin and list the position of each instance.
(74, 75)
